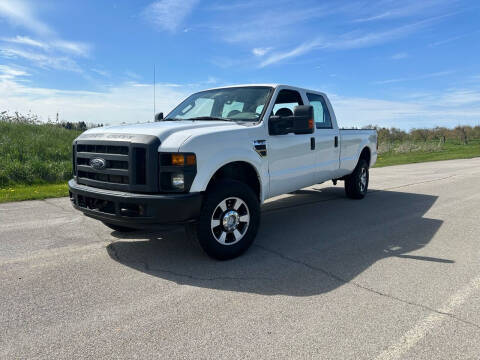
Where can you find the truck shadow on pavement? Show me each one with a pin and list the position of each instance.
(309, 243)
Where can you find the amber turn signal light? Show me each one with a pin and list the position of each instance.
(182, 159)
(178, 159)
(190, 159)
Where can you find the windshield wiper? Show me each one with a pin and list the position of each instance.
(209, 118)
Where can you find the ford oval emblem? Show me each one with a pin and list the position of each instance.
(98, 163)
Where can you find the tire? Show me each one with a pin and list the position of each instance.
(229, 220)
(119, 228)
(356, 184)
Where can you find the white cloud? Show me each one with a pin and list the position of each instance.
(42, 60)
(43, 51)
(414, 78)
(297, 51)
(25, 40)
(461, 97)
(386, 10)
(234, 6)
(75, 48)
(169, 14)
(347, 41)
(72, 47)
(132, 75)
(271, 22)
(281, 25)
(20, 13)
(9, 72)
(452, 39)
(261, 51)
(101, 72)
(400, 56)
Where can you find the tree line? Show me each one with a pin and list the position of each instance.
(463, 134)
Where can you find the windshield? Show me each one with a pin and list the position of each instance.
(238, 104)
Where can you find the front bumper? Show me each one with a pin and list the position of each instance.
(133, 209)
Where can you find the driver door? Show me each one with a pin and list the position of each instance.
(291, 159)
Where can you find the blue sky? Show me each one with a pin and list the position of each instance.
(395, 63)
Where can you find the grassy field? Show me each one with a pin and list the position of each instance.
(35, 160)
(33, 154)
(431, 151)
(33, 192)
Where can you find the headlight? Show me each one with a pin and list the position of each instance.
(178, 181)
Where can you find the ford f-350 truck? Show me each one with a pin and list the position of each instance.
(213, 160)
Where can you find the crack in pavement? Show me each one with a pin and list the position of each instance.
(363, 287)
(417, 183)
(46, 201)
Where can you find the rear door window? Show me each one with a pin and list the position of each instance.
(320, 111)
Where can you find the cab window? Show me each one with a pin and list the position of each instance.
(286, 102)
(320, 111)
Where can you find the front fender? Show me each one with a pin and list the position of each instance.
(207, 166)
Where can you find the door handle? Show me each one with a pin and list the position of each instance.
(335, 141)
(312, 143)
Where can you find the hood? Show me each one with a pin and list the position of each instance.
(162, 129)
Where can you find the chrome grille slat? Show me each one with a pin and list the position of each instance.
(88, 155)
(109, 171)
(101, 185)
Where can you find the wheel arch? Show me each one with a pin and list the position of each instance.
(240, 170)
(365, 154)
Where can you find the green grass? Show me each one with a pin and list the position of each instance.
(448, 151)
(32, 154)
(32, 192)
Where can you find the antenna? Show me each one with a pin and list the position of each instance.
(154, 110)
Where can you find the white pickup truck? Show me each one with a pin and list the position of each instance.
(213, 160)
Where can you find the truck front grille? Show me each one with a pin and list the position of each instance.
(123, 164)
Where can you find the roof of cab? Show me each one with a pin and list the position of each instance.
(269, 85)
(243, 85)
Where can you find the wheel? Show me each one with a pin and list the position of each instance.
(356, 184)
(229, 220)
(119, 228)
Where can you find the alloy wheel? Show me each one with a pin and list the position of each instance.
(230, 221)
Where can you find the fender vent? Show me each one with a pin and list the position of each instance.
(260, 147)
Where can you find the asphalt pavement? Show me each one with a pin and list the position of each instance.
(393, 276)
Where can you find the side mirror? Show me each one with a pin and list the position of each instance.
(159, 116)
(300, 123)
(303, 119)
